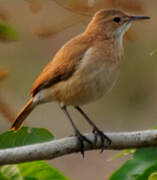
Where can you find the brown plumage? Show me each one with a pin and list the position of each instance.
(63, 65)
(84, 69)
(22, 115)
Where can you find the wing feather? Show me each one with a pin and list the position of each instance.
(63, 64)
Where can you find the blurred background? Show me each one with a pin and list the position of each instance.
(31, 31)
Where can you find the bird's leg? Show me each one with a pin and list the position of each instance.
(96, 130)
(80, 137)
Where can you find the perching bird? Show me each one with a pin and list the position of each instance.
(83, 70)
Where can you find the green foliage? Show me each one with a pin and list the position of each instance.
(37, 170)
(123, 153)
(7, 32)
(140, 167)
(153, 52)
(24, 136)
(153, 176)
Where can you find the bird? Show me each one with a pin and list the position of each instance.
(83, 70)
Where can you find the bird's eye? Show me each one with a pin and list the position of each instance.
(116, 19)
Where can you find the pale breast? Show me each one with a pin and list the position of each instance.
(94, 77)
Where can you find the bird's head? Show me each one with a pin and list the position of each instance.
(112, 22)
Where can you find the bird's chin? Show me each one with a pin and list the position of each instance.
(121, 31)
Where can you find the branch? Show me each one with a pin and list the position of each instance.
(68, 145)
(6, 110)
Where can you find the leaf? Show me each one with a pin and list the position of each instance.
(153, 52)
(37, 170)
(7, 33)
(149, 171)
(10, 172)
(40, 170)
(1, 176)
(123, 153)
(153, 176)
(24, 136)
(143, 163)
(30, 178)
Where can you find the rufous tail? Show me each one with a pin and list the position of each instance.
(22, 115)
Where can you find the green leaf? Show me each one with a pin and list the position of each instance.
(143, 163)
(30, 178)
(40, 170)
(24, 136)
(1, 176)
(149, 171)
(10, 172)
(153, 52)
(37, 170)
(7, 32)
(123, 153)
(153, 176)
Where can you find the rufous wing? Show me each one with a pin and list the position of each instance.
(63, 65)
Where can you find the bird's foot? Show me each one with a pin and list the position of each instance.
(104, 139)
(81, 140)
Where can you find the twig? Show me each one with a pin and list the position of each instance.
(68, 145)
(6, 110)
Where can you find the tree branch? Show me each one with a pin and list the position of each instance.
(68, 145)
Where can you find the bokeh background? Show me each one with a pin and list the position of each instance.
(39, 29)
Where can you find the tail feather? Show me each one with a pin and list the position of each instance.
(22, 115)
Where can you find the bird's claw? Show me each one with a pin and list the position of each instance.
(81, 140)
(104, 139)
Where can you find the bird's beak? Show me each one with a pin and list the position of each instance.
(134, 18)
